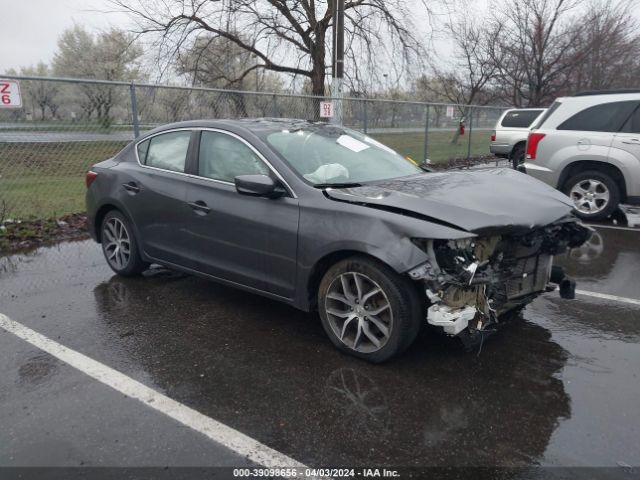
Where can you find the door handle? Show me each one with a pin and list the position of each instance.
(131, 187)
(632, 141)
(199, 207)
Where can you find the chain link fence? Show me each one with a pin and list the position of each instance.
(67, 125)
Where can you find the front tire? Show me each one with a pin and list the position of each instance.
(119, 245)
(368, 310)
(594, 193)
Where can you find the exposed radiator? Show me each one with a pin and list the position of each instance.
(530, 274)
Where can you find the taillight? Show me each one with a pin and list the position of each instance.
(532, 145)
(89, 178)
(493, 136)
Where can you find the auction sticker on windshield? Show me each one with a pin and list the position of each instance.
(10, 94)
(351, 143)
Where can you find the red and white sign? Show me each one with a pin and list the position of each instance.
(450, 112)
(326, 109)
(10, 94)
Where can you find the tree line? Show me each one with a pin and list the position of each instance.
(516, 53)
(528, 52)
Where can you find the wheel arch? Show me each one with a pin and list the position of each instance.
(521, 143)
(579, 166)
(101, 212)
(323, 264)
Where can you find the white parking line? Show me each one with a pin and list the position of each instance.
(606, 296)
(612, 227)
(216, 431)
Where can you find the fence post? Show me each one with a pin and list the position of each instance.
(364, 115)
(134, 110)
(426, 134)
(470, 134)
(274, 107)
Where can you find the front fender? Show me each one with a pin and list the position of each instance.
(357, 228)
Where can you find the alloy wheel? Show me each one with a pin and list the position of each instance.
(359, 312)
(590, 196)
(117, 246)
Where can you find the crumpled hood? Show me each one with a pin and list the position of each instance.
(476, 200)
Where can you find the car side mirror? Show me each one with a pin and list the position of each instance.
(258, 186)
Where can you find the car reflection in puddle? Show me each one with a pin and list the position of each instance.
(269, 371)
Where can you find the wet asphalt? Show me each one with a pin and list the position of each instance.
(558, 385)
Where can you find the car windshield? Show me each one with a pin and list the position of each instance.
(331, 156)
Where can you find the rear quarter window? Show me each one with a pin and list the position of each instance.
(167, 151)
(543, 118)
(143, 148)
(606, 117)
(520, 118)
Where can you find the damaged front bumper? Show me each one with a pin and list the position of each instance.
(470, 283)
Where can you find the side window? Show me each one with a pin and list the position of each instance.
(633, 124)
(167, 151)
(223, 157)
(606, 117)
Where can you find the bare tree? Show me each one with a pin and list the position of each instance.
(609, 35)
(535, 49)
(111, 55)
(285, 36)
(175, 103)
(40, 94)
(467, 79)
(219, 63)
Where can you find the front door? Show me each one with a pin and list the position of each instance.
(628, 140)
(244, 239)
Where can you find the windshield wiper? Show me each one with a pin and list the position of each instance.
(337, 185)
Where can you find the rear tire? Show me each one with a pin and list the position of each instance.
(595, 194)
(517, 156)
(368, 310)
(119, 245)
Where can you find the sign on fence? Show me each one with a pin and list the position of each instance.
(10, 94)
(450, 111)
(326, 109)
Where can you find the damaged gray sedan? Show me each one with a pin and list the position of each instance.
(328, 219)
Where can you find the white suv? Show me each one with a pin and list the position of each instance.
(509, 138)
(588, 146)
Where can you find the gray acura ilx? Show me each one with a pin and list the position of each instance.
(325, 218)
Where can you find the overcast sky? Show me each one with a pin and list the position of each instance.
(30, 28)
(32, 32)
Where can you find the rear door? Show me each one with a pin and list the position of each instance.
(247, 240)
(628, 141)
(591, 130)
(156, 191)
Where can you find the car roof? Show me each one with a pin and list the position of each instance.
(254, 125)
(606, 92)
(522, 109)
(601, 97)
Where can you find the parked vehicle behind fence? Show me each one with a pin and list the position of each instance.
(509, 138)
(328, 219)
(588, 146)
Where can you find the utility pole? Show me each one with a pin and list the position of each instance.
(338, 61)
